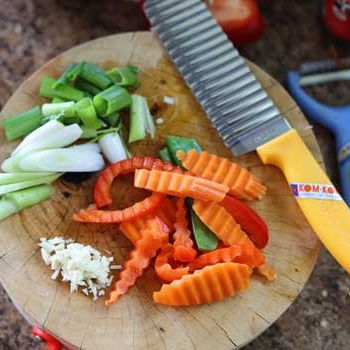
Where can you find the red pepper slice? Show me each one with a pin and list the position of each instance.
(163, 268)
(105, 180)
(137, 210)
(153, 237)
(241, 253)
(249, 220)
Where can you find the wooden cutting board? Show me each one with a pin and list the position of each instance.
(136, 322)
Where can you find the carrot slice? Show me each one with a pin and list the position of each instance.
(242, 183)
(220, 222)
(180, 185)
(267, 271)
(143, 208)
(153, 237)
(105, 180)
(213, 283)
(240, 253)
(166, 212)
(183, 243)
(163, 268)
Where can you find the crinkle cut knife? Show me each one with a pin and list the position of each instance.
(245, 116)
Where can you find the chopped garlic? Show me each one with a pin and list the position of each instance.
(82, 266)
(169, 100)
(159, 121)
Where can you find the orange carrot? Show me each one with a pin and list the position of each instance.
(240, 253)
(213, 283)
(153, 237)
(180, 185)
(220, 222)
(132, 229)
(166, 212)
(267, 271)
(139, 209)
(183, 243)
(242, 183)
(105, 180)
(163, 268)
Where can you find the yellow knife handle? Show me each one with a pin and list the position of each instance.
(330, 219)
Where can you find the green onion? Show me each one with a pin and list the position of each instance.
(16, 201)
(58, 100)
(7, 208)
(165, 155)
(149, 122)
(86, 87)
(63, 91)
(205, 238)
(137, 119)
(111, 100)
(124, 76)
(30, 183)
(88, 133)
(112, 120)
(95, 75)
(87, 113)
(127, 151)
(66, 109)
(10, 178)
(177, 143)
(31, 196)
(22, 124)
(70, 74)
(96, 135)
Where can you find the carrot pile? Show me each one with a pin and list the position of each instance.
(160, 227)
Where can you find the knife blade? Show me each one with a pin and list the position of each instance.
(245, 116)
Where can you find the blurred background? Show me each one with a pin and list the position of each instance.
(34, 31)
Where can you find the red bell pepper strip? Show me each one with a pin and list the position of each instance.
(183, 243)
(163, 268)
(104, 182)
(153, 237)
(140, 209)
(249, 220)
(240, 253)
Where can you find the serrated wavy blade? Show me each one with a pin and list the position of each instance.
(222, 82)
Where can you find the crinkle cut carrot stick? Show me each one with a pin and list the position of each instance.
(180, 185)
(213, 283)
(183, 243)
(166, 212)
(153, 237)
(241, 253)
(242, 183)
(163, 268)
(217, 218)
(267, 271)
(102, 190)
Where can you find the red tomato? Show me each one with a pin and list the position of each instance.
(240, 19)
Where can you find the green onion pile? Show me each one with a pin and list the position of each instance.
(85, 103)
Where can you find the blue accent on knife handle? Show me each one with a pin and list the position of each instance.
(336, 119)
